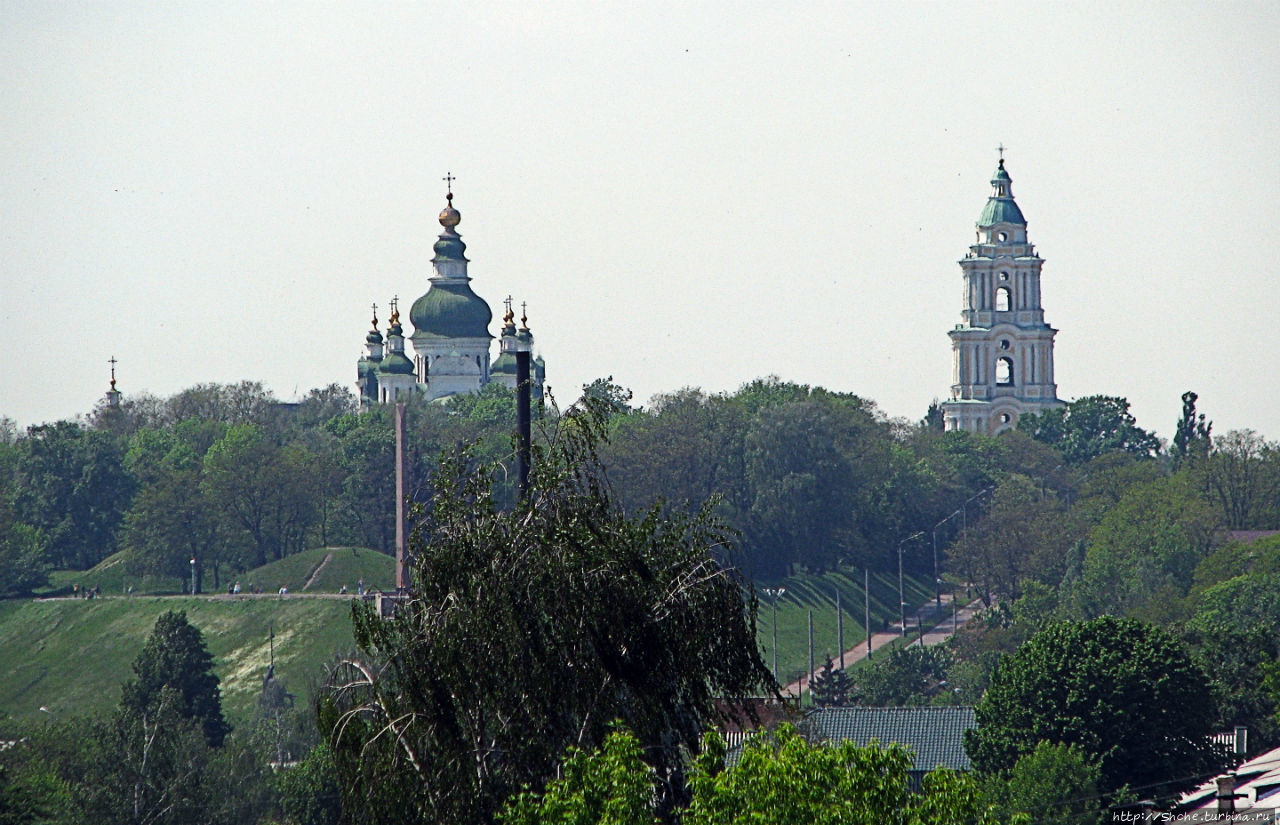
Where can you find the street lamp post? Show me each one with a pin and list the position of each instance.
(775, 593)
(902, 598)
(193, 575)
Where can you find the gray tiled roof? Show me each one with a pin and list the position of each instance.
(934, 734)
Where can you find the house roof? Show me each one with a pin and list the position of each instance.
(934, 734)
(1257, 784)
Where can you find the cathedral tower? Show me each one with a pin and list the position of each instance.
(1003, 349)
(450, 322)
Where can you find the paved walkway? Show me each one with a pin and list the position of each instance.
(938, 634)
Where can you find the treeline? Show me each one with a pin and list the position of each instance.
(1091, 516)
(812, 479)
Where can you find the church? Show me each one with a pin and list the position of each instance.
(1002, 364)
(451, 339)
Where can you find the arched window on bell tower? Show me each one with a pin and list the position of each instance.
(1003, 300)
(1004, 371)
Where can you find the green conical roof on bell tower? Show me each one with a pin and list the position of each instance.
(1001, 207)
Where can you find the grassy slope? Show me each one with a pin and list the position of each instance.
(807, 593)
(72, 655)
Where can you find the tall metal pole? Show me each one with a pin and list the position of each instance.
(810, 679)
(775, 636)
(402, 547)
(902, 599)
(866, 595)
(775, 593)
(937, 582)
(524, 341)
(193, 575)
(839, 628)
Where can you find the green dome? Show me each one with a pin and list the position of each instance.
(451, 310)
(1001, 210)
(396, 364)
(505, 365)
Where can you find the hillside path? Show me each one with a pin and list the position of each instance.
(938, 634)
(319, 567)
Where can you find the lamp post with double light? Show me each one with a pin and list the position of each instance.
(775, 593)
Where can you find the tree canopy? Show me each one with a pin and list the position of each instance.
(175, 658)
(531, 630)
(1127, 693)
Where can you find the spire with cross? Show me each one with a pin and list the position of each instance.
(448, 182)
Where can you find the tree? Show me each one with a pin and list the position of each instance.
(778, 779)
(176, 658)
(1242, 475)
(1143, 553)
(1192, 438)
(832, 687)
(23, 564)
(610, 785)
(1127, 693)
(73, 487)
(1088, 427)
(907, 676)
(531, 630)
(1055, 784)
(781, 779)
(309, 791)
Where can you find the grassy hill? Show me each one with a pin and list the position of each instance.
(346, 565)
(807, 593)
(72, 655)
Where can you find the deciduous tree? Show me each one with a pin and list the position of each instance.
(1127, 693)
(532, 630)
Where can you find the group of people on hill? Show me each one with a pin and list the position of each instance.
(86, 592)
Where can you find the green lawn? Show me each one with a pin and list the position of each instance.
(817, 594)
(72, 655)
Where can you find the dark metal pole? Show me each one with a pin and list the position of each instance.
(402, 572)
(866, 595)
(839, 627)
(523, 426)
(810, 679)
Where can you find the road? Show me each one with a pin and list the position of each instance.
(938, 634)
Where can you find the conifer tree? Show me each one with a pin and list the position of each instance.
(832, 687)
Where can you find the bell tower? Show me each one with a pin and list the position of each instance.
(1002, 348)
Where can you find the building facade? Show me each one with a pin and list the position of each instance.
(450, 339)
(1002, 348)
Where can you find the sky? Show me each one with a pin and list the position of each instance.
(691, 194)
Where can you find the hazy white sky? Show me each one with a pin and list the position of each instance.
(687, 194)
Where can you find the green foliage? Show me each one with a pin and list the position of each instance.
(832, 687)
(907, 676)
(780, 778)
(23, 553)
(1241, 475)
(1055, 784)
(1235, 631)
(1089, 427)
(72, 487)
(615, 399)
(1127, 693)
(531, 630)
(1143, 553)
(1192, 437)
(610, 785)
(309, 793)
(176, 659)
